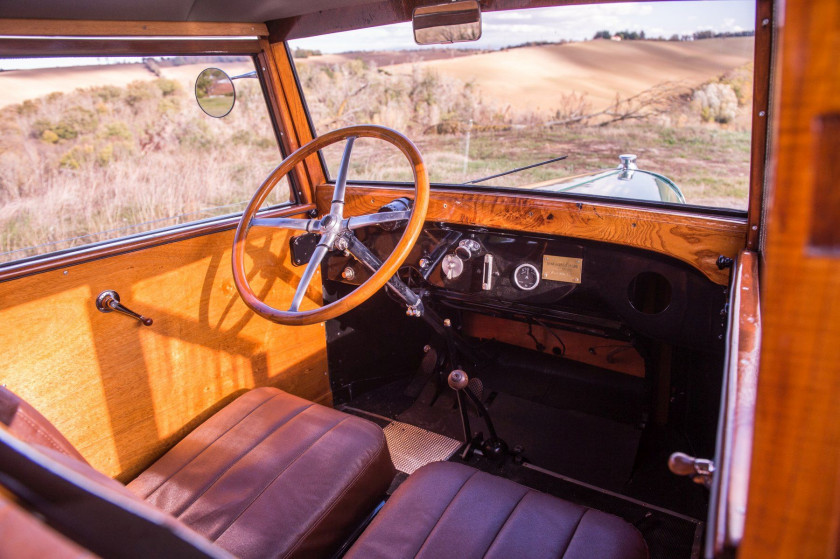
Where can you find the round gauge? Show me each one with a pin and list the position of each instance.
(526, 276)
(452, 266)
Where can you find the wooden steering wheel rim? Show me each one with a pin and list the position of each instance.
(389, 266)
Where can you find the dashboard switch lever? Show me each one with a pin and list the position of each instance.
(487, 273)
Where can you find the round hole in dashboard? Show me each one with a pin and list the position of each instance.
(649, 293)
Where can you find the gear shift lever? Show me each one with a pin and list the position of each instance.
(459, 382)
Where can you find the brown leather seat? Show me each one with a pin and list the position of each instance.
(270, 475)
(273, 474)
(451, 510)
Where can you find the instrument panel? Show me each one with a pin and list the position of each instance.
(589, 286)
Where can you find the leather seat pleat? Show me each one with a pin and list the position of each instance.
(213, 511)
(200, 441)
(489, 517)
(542, 527)
(460, 532)
(271, 475)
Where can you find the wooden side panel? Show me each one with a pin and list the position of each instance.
(696, 240)
(793, 508)
(124, 393)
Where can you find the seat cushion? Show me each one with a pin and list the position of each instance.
(451, 510)
(273, 475)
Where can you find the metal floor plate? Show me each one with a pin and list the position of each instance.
(412, 447)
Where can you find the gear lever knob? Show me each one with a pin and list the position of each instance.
(458, 380)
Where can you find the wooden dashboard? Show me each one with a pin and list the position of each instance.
(696, 239)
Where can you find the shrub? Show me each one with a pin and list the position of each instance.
(77, 120)
(168, 87)
(40, 126)
(28, 107)
(49, 136)
(117, 129)
(105, 155)
(107, 92)
(717, 102)
(139, 91)
(69, 161)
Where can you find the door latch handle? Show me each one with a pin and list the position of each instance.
(109, 301)
(699, 470)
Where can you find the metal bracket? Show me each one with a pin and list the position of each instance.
(302, 247)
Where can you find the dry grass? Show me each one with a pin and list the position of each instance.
(109, 161)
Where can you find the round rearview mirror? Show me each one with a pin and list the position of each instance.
(214, 92)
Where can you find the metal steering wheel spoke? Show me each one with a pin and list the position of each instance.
(317, 256)
(285, 223)
(337, 204)
(336, 232)
(357, 222)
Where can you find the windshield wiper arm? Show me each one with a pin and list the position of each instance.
(476, 181)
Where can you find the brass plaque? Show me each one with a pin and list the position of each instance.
(562, 268)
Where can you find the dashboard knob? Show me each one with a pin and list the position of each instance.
(452, 266)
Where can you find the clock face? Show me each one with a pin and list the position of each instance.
(526, 277)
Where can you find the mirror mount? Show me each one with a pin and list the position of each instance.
(443, 24)
(251, 74)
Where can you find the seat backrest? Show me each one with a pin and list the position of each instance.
(46, 475)
(27, 424)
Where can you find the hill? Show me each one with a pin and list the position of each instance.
(536, 76)
(19, 85)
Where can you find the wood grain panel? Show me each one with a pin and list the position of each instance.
(11, 48)
(793, 508)
(613, 355)
(695, 239)
(738, 407)
(124, 393)
(86, 28)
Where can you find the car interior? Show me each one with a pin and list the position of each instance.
(376, 353)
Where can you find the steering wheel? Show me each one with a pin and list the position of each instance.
(335, 230)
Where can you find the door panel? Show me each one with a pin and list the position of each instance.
(124, 393)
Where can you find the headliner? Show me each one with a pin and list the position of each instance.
(245, 11)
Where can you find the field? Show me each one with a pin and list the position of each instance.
(90, 153)
(107, 161)
(475, 115)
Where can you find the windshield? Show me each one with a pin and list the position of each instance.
(668, 82)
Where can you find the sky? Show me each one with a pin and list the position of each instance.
(576, 23)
